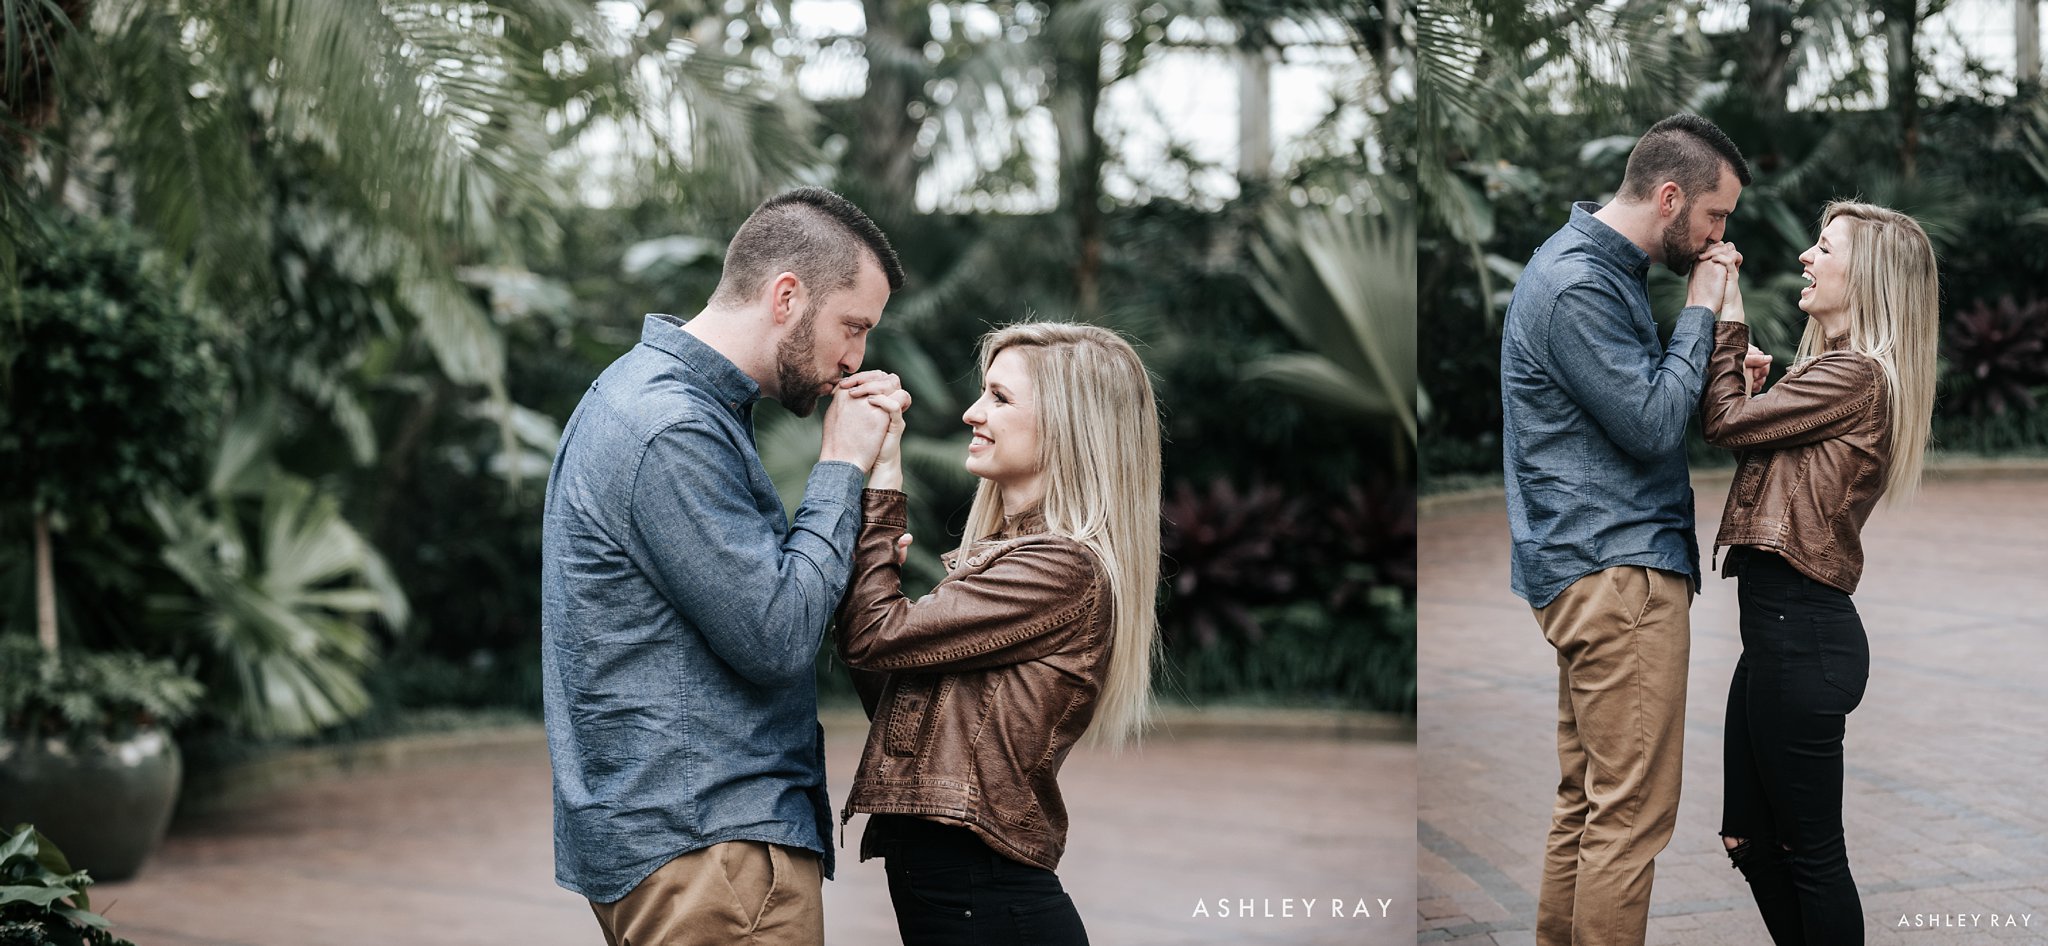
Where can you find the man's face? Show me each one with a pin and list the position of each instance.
(828, 340)
(1700, 221)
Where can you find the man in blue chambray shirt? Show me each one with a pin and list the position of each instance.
(681, 611)
(1600, 506)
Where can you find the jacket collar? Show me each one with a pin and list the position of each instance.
(1029, 522)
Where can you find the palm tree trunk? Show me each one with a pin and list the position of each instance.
(1902, 79)
(1767, 41)
(1078, 73)
(885, 155)
(46, 587)
(2027, 26)
(1254, 115)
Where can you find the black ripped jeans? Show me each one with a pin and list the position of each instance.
(949, 888)
(1804, 664)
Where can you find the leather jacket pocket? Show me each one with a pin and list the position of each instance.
(909, 704)
(1750, 474)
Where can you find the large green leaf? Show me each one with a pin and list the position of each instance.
(37, 895)
(1344, 284)
(283, 604)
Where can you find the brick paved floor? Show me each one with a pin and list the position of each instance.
(459, 853)
(1946, 760)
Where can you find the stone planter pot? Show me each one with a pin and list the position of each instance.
(104, 803)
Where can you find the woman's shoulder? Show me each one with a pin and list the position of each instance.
(1845, 363)
(1045, 550)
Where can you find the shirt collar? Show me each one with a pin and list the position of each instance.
(1836, 342)
(665, 333)
(1609, 241)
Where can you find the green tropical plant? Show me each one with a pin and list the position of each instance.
(279, 589)
(1485, 70)
(42, 900)
(1344, 284)
(89, 694)
(108, 383)
(426, 130)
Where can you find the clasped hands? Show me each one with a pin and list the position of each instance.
(1715, 283)
(864, 427)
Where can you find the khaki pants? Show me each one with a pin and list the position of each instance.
(1623, 637)
(736, 892)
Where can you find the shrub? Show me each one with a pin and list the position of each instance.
(89, 694)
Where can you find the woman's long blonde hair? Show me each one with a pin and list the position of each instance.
(1894, 301)
(1098, 438)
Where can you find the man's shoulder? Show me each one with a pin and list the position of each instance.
(638, 409)
(1551, 277)
(648, 393)
(1562, 265)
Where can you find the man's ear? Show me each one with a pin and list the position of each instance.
(1670, 199)
(785, 297)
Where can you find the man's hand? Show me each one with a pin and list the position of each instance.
(1712, 274)
(1756, 367)
(869, 383)
(857, 422)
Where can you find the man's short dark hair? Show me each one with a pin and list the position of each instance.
(812, 232)
(1685, 149)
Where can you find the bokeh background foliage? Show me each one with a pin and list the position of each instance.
(400, 239)
(1897, 102)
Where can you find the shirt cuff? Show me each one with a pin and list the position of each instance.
(835, 481)
(1693, 332)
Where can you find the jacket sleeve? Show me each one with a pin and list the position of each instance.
(1822, 398)
(761, 602)
(1021, 606)
(1641, 403)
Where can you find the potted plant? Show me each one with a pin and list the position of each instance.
(86, 751)
(110, 390)
(42, 900)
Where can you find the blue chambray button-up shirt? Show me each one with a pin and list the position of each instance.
(680, 615)
(1595, 409)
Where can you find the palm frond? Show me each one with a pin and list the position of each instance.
(1344, 284)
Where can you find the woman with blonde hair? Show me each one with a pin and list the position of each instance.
(1846, 425)
(1042, 631)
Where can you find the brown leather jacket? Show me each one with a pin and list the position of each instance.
(1811, 455)
(976, 691)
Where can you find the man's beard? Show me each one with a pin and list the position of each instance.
(796, 386)
(1679, 252)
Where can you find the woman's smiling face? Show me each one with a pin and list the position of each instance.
(1827, 271)
(1004, 449)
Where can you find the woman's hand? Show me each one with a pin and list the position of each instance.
(1756, 367)
(1731, 292)
(903, 549)
(888, 471)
